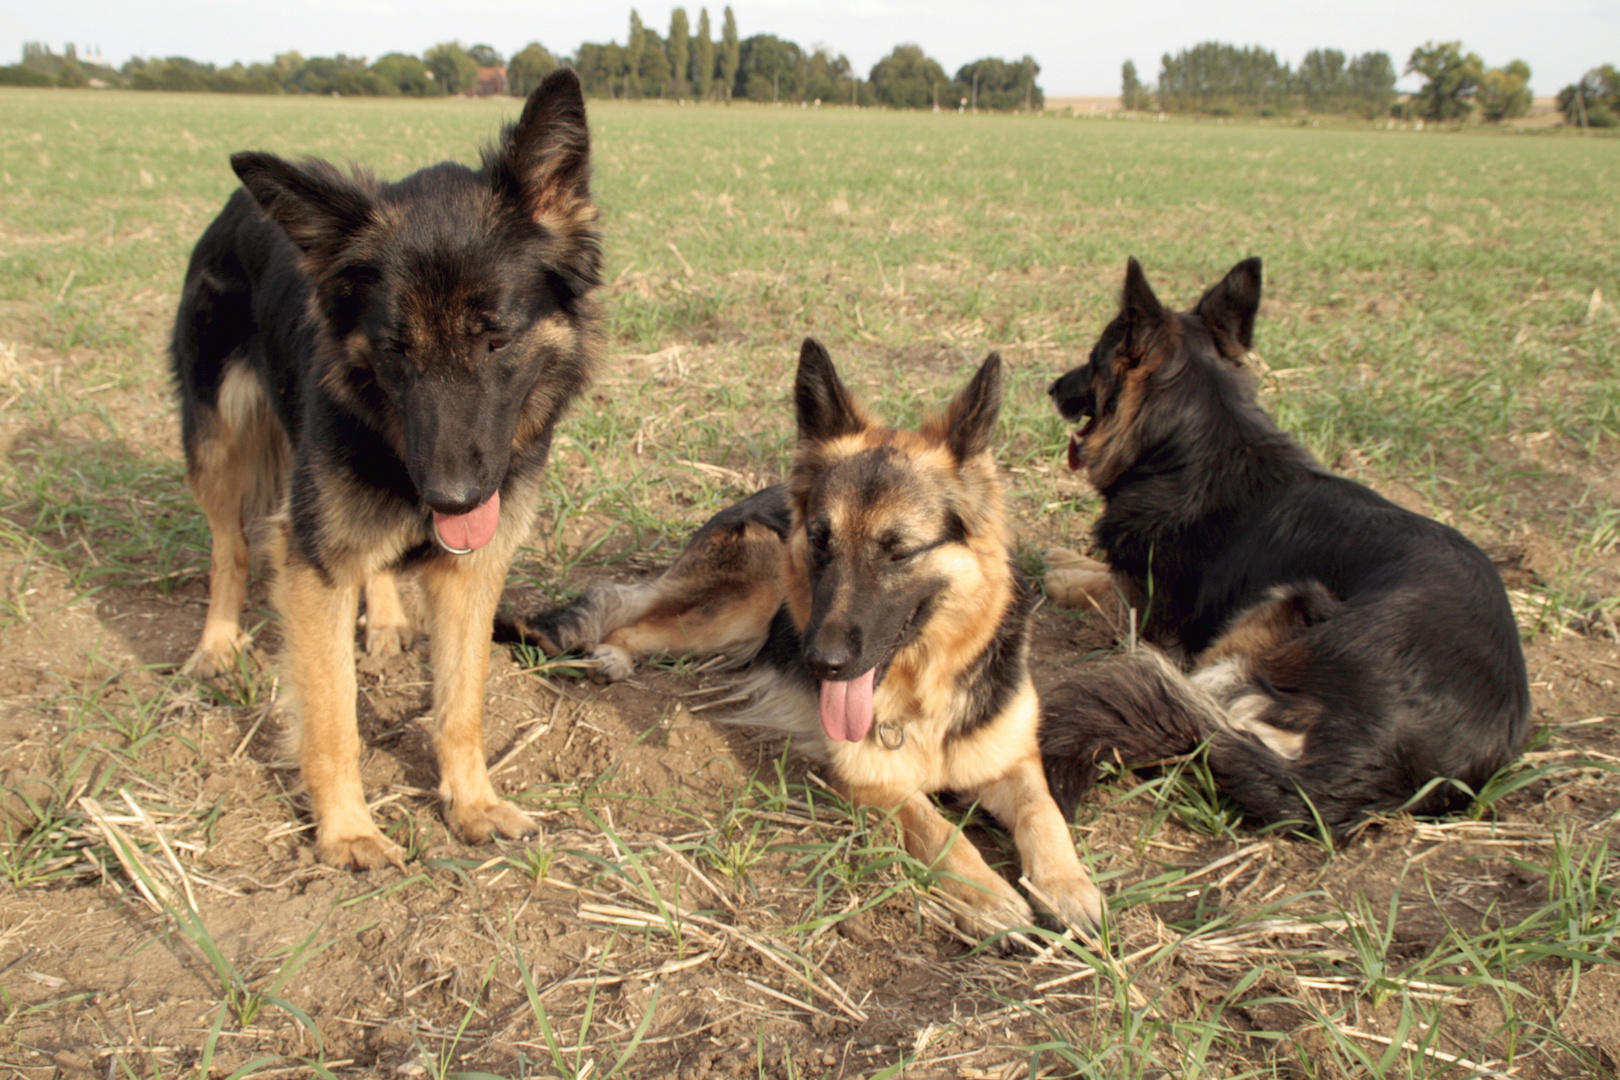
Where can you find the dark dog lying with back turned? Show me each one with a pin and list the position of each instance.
(383, 363)
(1342, 656)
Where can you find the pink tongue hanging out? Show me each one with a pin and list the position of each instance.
(472, 530)
(846, 708)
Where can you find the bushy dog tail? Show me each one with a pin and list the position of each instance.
(581, 623)
(1141, 708)
(1135, 709)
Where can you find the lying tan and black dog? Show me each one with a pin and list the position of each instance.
(380, 366)
(1343, 656)
(886, 626)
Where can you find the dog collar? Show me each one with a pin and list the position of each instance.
(891, 734)
(451, 550)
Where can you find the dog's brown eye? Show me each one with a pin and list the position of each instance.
(496, 343)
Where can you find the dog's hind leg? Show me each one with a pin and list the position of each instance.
(234, 461)
(718, 597)
(462, 592)
(388, 628)
(686, 617)
(218, 489)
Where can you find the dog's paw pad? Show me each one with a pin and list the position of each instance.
(367, 851)
(613, 663)
(481, 822)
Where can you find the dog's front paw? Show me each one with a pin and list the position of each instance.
(482, 821)
(1076, 901)
(612, 663)
(989, 915)
(360, 851)
(215, 655)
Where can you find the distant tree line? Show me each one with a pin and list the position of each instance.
(1223, 79)
(444, 69)
(687, 63)
(41, 67)
(692, 64)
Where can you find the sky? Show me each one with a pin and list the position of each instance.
(1079, 46)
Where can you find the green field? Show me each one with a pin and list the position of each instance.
(1440, 321)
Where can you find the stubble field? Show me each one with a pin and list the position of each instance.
(1440, 322)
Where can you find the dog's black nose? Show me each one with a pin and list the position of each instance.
(457, 500)
(830, 665)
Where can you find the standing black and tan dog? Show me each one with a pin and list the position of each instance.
(385, 362)
(1341, 654)
(887, 627)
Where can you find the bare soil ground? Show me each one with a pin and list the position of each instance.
(699, 881)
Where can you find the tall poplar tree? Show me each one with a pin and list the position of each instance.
(632, 56)
(730, 53)
(679, 45)
(1132, 95)
(703, 57)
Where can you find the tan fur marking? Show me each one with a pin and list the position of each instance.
(998, 763)
(235, 472)
(388, 628)
(318, 626)
(1287, 744)
(1021, 801)
(1258, 631)
(1224, 671)
(741, 624)
(964, 874)
(462, 595)
(1112, 444)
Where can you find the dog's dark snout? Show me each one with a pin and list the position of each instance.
(1052, 388)
(453, 498)
(831, 656)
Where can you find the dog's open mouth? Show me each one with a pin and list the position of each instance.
(463, 534)
(846, 707)
(1077, 444)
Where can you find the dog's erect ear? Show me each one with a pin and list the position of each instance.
(970, 420)
(824, 407)
(543, 162)
(1228, 309)
(318, 207)
(1144, 315)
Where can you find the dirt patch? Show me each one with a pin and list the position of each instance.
(792, 952)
